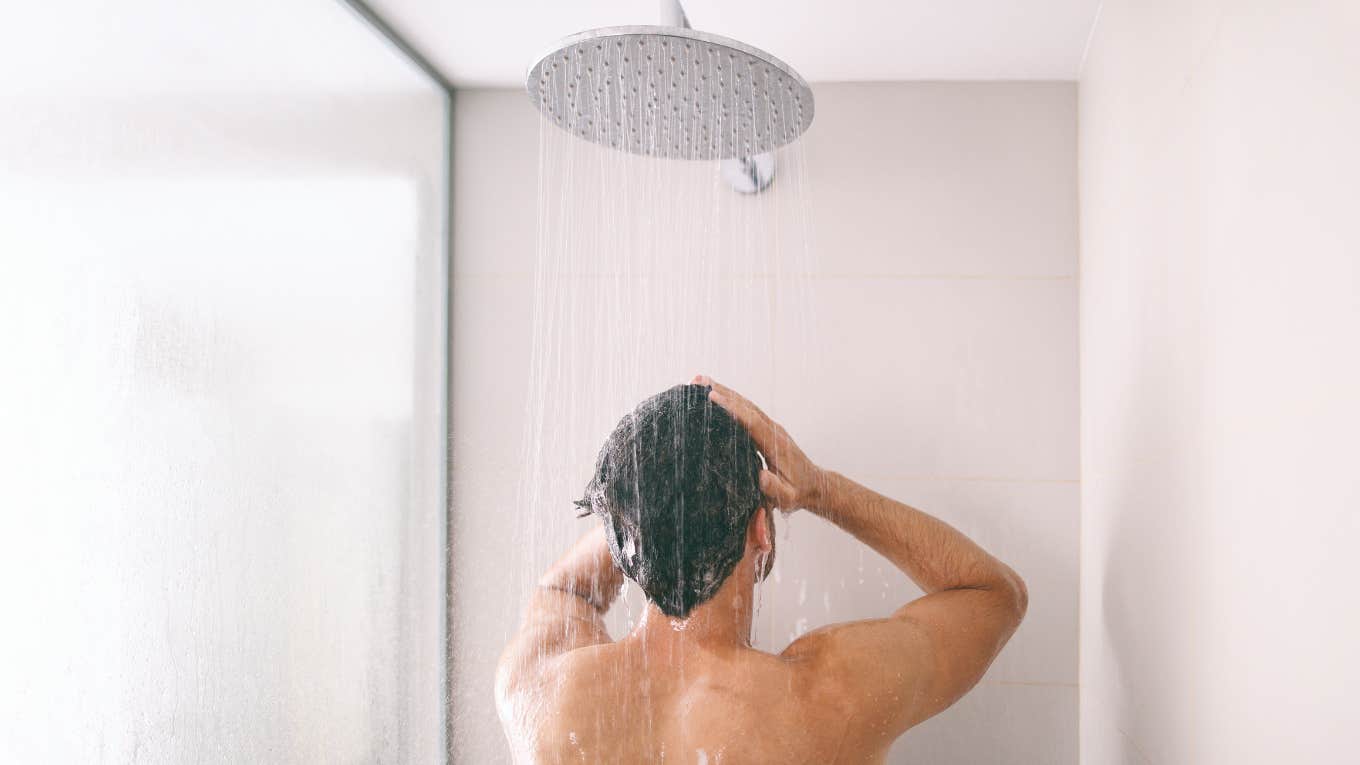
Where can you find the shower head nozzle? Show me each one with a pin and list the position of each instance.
(670, 92)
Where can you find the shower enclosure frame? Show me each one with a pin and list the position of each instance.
(382, 28)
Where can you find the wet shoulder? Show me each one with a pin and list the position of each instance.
(604, 703)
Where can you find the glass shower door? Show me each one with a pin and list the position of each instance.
(222, 408)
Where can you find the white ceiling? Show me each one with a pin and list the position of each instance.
(493, 42)
(117, 48)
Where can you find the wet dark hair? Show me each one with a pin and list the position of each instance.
(676, 484)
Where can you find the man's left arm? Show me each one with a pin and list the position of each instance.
(566, 610)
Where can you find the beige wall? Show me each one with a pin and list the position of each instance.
(944, 291)
(1220, 326)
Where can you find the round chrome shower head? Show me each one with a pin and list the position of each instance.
(670, 92)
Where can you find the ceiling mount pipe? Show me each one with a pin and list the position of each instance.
(673, 15)
(747, 175)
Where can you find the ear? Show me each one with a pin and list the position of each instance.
(760, 532)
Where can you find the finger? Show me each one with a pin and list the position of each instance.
(748, 414)
(778, 490)
(727, 392)
(780, 493)
(769, 439)
(759, 428)
(772, 441)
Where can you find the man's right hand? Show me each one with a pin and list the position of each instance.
(791, 481)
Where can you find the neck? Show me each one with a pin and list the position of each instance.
(724, 621)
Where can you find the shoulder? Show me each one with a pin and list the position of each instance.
(861, 669)
(539, 681)
(867, 646)
(542, 703)
(806, 705)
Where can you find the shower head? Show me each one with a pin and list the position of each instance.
(669, 91)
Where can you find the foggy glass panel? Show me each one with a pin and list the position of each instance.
(221, 403)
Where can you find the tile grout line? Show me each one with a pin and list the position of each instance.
(475, 275)
(962, 478)
(1029, 684)
(509, 463)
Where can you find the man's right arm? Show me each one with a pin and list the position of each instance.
(931, 651)
(936, 556)
(892, 673)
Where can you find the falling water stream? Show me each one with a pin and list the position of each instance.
(649, 271)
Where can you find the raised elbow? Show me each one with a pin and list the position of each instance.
(1017, 596)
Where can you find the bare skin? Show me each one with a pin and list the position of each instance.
(695, 691)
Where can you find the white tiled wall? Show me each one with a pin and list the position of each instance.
(934, 358)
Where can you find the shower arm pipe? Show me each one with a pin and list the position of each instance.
(673, 15)
(748, 175)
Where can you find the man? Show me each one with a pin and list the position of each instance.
(686, 509)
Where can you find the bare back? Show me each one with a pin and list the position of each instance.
(689, 688)
(612, 703)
